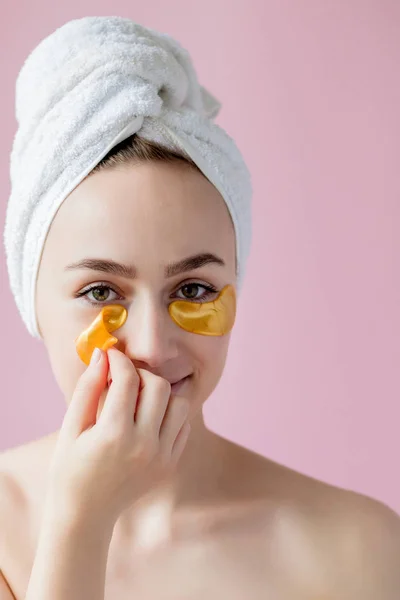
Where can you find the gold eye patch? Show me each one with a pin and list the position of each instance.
(206, 318)
(98, 334)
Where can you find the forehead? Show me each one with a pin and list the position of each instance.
(147, 208)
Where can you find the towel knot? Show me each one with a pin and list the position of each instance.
(89, 56)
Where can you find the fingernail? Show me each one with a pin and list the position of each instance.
(96, 355)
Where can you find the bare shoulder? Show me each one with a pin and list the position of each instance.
(21, 462)
(11, 503)
(369, 542)
(343, 543)
(23, 472)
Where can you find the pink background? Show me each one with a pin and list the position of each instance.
(311, 94)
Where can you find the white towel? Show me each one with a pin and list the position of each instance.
(89, 85)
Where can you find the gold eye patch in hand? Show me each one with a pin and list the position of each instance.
(206, 318)
(98, 334)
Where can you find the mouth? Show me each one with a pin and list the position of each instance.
(175, 387)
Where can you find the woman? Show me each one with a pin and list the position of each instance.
(134, 497)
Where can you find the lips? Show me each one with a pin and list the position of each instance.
(175, 387)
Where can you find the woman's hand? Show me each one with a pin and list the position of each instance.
(101, 467)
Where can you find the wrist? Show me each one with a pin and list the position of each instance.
(76, 520)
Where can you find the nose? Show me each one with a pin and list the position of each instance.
(149, 336)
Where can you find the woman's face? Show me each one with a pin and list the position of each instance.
(146, 217)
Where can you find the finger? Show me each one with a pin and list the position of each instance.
(120, 404)
(81, 412)
(180, 442)
(175, 417)
(152, 404)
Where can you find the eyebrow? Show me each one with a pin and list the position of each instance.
(129, 271)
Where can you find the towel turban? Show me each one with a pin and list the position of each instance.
(89, 85)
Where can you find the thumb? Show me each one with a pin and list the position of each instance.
(82, 409)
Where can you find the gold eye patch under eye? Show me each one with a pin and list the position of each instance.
(98, 334)
(206, 318)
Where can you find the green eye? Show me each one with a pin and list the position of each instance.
(193, 290)
(100, 294)
(196, 291)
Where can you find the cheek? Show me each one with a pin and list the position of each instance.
(66, 367)
(59, 326)
(210, 359)
(211, 353)
(59, 338)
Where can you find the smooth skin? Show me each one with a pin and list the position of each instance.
(124, 501)
(103, 465)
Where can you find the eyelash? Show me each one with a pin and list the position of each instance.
(210, 289)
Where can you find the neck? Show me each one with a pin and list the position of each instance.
(159, 516)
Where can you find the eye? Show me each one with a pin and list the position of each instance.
(99, 294)
(190, 291)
